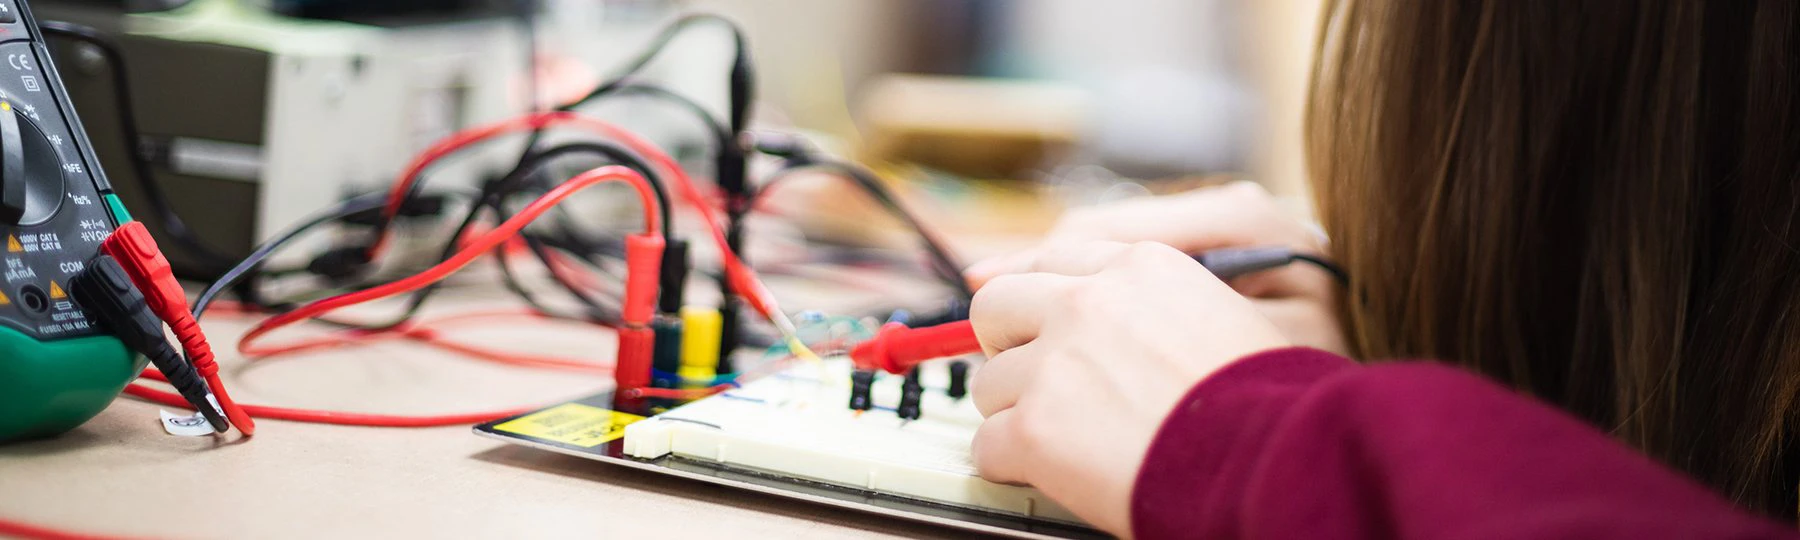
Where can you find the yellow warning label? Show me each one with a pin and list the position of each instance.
(12, 244)
(573, 424)
(4, 301)
(56, 291)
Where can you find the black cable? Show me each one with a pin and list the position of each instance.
(596, 310)
(248, 266)
(611, 152)
(942, 262)
(377, 200)
(655, 47)
(621, 77)
(255, 260)
(1337, 272)
(720, 133)
(172, 223)
(495, 192)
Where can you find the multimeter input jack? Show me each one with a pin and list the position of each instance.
(33, 299)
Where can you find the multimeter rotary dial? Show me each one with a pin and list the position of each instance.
(31, 175)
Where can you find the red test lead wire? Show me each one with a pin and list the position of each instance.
(644, 255)
(896, 348)
(743, 280)
(476, 248)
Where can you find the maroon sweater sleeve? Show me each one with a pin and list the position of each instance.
(1299, 443)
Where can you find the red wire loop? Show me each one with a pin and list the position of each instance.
(740, 276)
(474, 249)
(469, 253)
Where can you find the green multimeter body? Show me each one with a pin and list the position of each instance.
(57, 368)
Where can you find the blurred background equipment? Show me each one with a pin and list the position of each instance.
(252, 120)
(981, 128)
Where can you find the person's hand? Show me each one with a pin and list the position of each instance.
(1089, 349)
(1299, 299)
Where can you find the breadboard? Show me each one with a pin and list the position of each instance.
(797, 423)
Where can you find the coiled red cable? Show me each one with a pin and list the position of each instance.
(742, 278)
(473, 249)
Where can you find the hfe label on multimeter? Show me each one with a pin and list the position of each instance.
(573, 424)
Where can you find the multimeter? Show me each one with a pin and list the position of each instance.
(57, 368)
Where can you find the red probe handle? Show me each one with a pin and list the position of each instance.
(896, 349)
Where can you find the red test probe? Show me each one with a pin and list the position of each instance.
(896, 348)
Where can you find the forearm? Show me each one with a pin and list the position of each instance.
(1300, 443)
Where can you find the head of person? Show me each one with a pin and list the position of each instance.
(1596, 202)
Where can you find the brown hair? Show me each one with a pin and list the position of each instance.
(1595, 202)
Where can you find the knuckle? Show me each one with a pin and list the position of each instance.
(1078, 293)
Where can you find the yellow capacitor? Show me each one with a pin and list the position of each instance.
(701, 327)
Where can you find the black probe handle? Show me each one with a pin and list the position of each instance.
(106, 292)
(1227, 263)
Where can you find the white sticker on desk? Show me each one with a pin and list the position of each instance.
(185, 426)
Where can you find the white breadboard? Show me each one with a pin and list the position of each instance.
(797, 423)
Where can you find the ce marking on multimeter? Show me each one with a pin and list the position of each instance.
(22, 62)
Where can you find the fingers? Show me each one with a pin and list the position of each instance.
(1010, 310)
(1069, 259)
(1003, 378)
(1235, 214)
(982, 272)
(998, 453)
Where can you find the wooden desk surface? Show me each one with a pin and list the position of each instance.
(120, 474)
